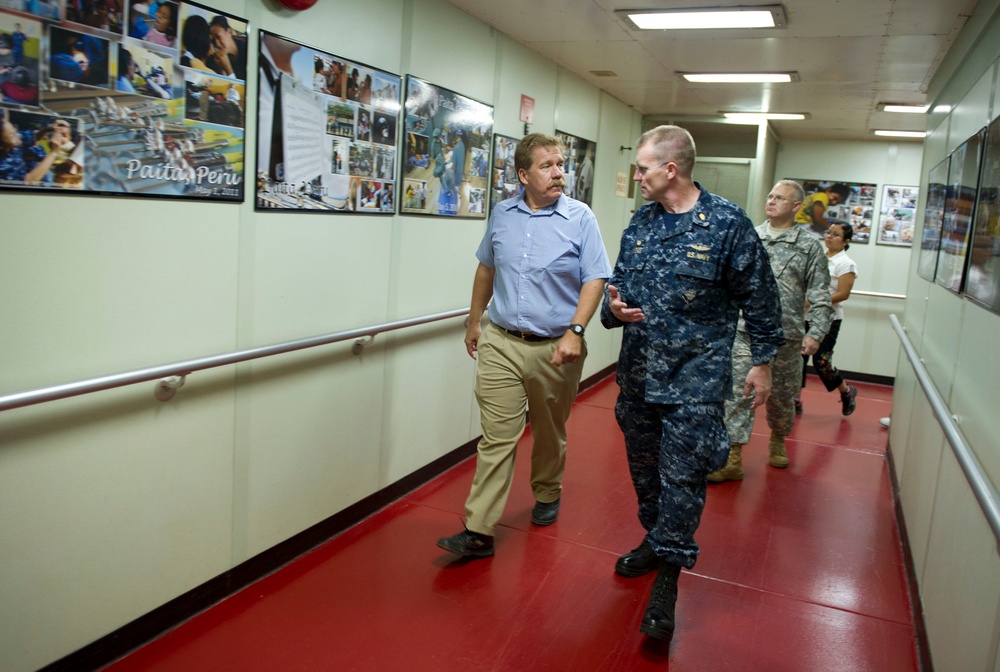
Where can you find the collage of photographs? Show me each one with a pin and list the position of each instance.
(446, 152)
(842, 203)
(111, 97)
(506, 183)
(897, 215)
(309, 99)
(579, 166)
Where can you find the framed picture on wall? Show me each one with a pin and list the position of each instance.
(327, 132)
(579, 166)
(832, 202)
(959, 213)
(897, 216)
(124, 103)
(446, 150)
(982, 284)
(504, 182)
(930, 238)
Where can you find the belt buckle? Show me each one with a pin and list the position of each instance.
(524, 336)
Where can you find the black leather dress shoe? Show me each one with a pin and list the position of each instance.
(657, 624)
(468, 544)
(638, 561)
(545, 513)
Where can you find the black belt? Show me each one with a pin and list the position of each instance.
(523, 335)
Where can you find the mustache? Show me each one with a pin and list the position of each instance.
(560, 182)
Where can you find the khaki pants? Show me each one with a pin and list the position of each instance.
(514, 376)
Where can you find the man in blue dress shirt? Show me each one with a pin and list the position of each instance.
(689, 262)
(543, 264)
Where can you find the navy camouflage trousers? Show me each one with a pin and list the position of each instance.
(671, 449)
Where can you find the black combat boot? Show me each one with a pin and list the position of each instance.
(658, 621)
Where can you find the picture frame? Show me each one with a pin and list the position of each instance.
(504, 182)
(446, 146)
(308, 98)
(579, 166)
(101, 110)
(982, 284)
(930, 237)
(959, 213)
(857, 209)
(897, 215)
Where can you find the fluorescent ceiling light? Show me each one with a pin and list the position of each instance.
(902, 134)
(763, 16)
(905, 109)
(739, 77)
(757, 117)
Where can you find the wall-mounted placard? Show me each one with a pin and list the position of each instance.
(446, 152)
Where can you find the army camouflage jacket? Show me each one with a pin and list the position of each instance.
(800, 268)
(692, 279)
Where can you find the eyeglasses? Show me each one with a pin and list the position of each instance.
(642, 170)
(777, 199)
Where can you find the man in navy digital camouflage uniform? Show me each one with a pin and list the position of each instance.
(688, 263)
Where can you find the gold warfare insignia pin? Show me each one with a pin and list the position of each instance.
(638, 247)
(699, 252)
(701, 216)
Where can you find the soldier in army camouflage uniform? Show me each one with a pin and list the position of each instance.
(688, 263)
(798, 262)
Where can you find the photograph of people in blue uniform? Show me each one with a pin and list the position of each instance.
(39, 150)
(306, 101)
(504, 183)
(442, 130)
(78, 58)
(579, 166)
(20, 49)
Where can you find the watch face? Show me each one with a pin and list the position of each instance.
(576, 329)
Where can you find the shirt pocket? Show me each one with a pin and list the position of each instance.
(698, 287)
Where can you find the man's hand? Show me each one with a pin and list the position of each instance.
(620, 309)
(472, 334)
(758, 382)
(809, 345)
(567, 350)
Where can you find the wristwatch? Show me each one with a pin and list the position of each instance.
(577, 329)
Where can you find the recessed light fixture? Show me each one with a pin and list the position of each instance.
(905, 109)
(739, 77)
(762, 16)
(902, 134)
(757, 117)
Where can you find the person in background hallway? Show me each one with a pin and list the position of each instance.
(688, 263)
(799, 268)
(812, 214)
(843, 272)
(543, 263)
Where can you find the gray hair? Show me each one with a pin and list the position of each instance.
(798, 192)
(672, 143)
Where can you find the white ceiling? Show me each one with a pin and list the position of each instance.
(850, 55)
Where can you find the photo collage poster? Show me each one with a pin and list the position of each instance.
(897, 215)
(858, 210)
(445, 152)
(579, 166)
(983, 282)
(959, 213)
(132, 98)
(505, 182)
(327, 131)
(930, 237)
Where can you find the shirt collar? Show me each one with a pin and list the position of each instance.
(560, 207)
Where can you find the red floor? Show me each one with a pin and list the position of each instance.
(801, 570)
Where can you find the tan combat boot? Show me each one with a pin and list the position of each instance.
(779, 457)
(733, 471)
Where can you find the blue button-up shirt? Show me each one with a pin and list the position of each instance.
(542, 259)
